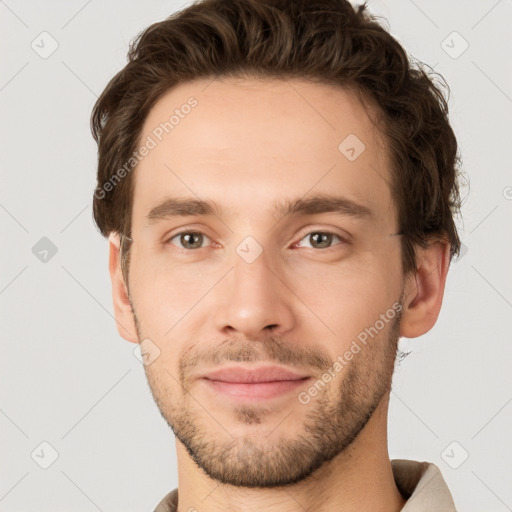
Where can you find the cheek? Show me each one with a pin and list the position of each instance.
(347, 296)
(164, 292)
(338, 298)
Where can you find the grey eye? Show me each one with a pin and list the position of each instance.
(189, 240)
(320, 239)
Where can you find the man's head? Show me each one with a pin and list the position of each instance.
(290, 202)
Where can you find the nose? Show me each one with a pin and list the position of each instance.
(254, 300)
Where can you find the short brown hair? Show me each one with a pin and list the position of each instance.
(327, 41)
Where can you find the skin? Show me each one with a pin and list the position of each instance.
(247, 144)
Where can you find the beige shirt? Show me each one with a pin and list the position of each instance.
(421, 483)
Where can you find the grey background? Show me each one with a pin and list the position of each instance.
(69, 380)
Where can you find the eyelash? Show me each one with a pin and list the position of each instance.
(343, 240)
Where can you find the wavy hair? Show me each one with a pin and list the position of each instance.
(328, 41)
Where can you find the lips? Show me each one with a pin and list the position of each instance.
(254, 384)
(254, 375)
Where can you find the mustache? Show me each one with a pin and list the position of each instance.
(271, 350)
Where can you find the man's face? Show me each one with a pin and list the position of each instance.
(253, 288)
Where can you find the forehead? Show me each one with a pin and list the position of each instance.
(248, 142)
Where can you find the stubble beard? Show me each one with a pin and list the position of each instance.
(331, 424)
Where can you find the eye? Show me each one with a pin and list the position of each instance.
(321, 240)
(189, 239)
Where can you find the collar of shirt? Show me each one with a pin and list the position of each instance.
(420, 483)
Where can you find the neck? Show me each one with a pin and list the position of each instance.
(358, 479)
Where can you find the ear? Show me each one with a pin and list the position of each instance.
(424, 290)
(123, 312)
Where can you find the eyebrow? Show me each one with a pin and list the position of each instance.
(322, 203)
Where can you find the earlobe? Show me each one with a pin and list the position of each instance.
(123, 312)
(424, 290)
